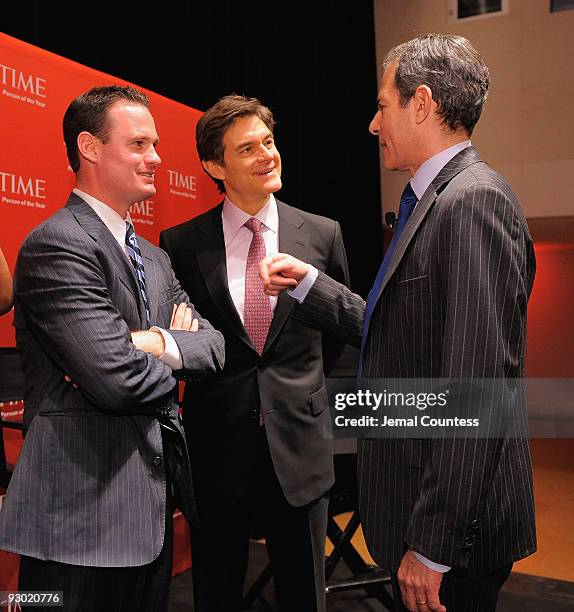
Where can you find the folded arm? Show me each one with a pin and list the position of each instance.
(64, 300)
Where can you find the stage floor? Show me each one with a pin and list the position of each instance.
(521, 593)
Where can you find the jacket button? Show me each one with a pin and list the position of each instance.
(468, 541)
(157, 461)
(474, 525)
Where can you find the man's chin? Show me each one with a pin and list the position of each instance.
(390, 165)
(275, 186)
(148, 193)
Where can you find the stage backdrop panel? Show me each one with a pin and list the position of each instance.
(35, 179)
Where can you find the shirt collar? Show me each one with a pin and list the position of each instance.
(110, 218)
(429, 170)
(234, 218)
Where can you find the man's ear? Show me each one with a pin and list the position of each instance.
(423, 103)
(88, 146)
(214, 169)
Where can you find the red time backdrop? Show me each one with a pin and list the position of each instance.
(35, 179)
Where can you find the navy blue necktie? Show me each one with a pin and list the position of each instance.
(137, 262)
(406, 207)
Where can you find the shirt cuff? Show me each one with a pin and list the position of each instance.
(437, 567)
(300, 292)
(172, 355)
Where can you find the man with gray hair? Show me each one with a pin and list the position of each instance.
(447, 516)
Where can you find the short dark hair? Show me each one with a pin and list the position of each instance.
(218, 119)
(88, 113)
(451, 67)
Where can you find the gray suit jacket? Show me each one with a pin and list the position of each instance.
(452, 305)
(89, 487)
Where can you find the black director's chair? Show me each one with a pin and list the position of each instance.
(343, 498)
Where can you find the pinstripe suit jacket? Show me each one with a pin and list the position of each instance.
(452, 305)
(89, 487)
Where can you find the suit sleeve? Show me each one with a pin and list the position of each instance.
(202, 351)
(338, 270)
(64, 300)
(333, 309)
(485, 262)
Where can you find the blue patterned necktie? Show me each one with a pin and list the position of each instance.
(406, 207)
(137, 262)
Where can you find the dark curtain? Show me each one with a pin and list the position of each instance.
(313, 63)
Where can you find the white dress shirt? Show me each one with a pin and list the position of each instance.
(117, 226)
(419, 182)
(237, 240)
(429, 170)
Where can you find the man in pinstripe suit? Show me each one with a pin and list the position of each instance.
(90, 503)
(447, 517)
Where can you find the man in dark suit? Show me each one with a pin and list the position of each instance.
(447, 516)
(89, 507)
(256, 431)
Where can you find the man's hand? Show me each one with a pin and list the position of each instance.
(149, 342)
(419, 585)
(182, 318)
(280, 272)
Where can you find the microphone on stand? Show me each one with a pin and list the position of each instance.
(390, 219)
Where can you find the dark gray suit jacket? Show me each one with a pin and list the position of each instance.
(452, 305)
(221, 415)
(89, 487)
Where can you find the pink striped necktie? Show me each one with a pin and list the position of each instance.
(257, 308)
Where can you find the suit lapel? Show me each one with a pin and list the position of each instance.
(209, 246)
(457, 164)
(419, 213)
(97, 229)
(294, 241)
